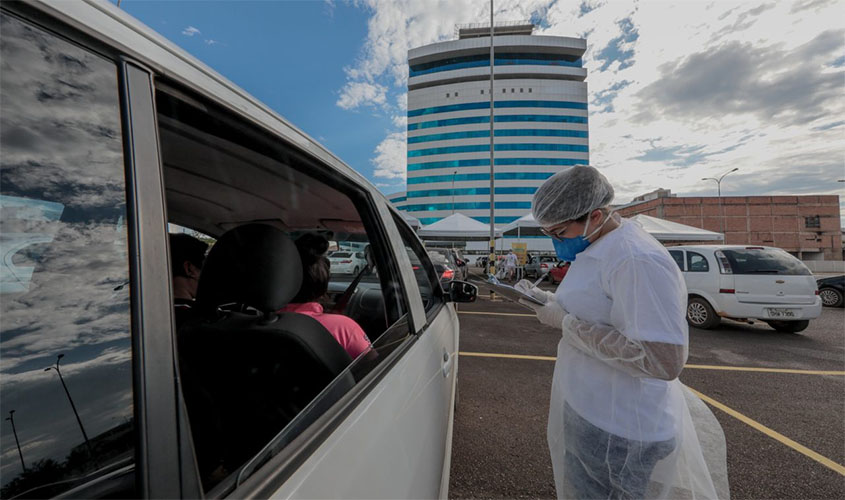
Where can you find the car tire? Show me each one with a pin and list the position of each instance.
(700, 314)
(790, 326)
(831, 297)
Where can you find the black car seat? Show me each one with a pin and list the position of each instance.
(245, 376)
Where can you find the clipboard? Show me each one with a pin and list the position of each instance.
(510, 292)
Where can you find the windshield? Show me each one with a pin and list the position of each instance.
(765, 261)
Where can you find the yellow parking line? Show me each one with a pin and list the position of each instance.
(692, 367)
(764, 370)
(497, 314)
(511, 356)
(773, 434)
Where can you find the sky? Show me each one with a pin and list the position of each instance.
(678, 91)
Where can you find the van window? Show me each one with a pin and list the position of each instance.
(221, 173)
(678, 255)
(65, 352)
(697, 263)
(765, 261)
(427, 277)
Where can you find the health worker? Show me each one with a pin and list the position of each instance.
(619, 425)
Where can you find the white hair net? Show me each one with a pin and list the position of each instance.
(570, 194)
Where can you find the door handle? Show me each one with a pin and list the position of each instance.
(448, 361)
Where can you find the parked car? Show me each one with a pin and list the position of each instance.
(557, 273)
(118, 133)
(445, 265)
(540, 264)
(347, 262)
(747, 282)
(831, 291)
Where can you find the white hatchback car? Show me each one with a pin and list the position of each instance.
(347, 262)
(747, 282)
(110, 134)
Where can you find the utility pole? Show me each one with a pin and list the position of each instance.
(719, 191)
(73, 406)
(453, 191)
(492, 169)
(11, 418)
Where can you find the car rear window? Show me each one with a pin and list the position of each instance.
(765, 261)
(339, 255)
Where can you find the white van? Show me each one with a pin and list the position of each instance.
(747, 282)
(109, 134)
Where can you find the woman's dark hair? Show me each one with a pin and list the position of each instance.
(184, 247)
(315, 267)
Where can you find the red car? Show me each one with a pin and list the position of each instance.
(557, 273)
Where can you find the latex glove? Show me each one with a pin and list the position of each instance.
(550, 314)
(528, 288)
(637, 358)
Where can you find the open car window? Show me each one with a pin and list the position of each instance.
(221, 173)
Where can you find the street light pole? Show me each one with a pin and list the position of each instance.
(11, 418)
(73, 406)
(453, 191)
(492, 176)
(719, 194)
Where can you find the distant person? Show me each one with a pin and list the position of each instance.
(315, 283)
(510, 264)
(187, 255)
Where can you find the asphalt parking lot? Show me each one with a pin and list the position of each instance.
(780, 398)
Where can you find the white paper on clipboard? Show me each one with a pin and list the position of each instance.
(510, 292)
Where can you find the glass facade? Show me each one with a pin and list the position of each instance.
(471, 191)
(469, 120)
(568, 162)
(497, 104)
(502, 176)
(476, 148)
(425, 207)
(472, 134)
(500, 59)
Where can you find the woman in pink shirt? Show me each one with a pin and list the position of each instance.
(315, 282)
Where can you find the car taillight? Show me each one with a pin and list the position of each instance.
(727, 290)
(448, 274)
(415, 268)
(724, 263)
(817, 292)
(544, 265)
(346, 262)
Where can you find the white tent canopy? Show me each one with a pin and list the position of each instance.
(526, 221)
(458, 227)
(664, 230)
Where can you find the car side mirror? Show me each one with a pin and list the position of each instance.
(461, 291)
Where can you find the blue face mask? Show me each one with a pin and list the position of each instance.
(568, 248)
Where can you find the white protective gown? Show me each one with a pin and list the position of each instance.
(623, 344)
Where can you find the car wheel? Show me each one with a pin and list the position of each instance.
(790, 326)
(700, 314)
(831, 297)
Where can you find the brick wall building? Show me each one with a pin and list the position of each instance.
(809, 227)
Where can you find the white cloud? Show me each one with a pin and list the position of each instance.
(391, 157)
(636, 53)
(357, 94)
(209, 41)
(190, 31)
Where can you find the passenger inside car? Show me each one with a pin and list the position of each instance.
(187, 255)
(315, 281)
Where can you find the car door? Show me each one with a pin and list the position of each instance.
(396, 443)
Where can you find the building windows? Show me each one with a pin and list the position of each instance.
(499, 118)
(501, 59)
(472, 134)
(478, 148)
(456, 94)
(471, 191)
(482, 91)
(447, 95)
(501, 176)
(520, 90)
(499, 161)
(529, 90)
(813, 222)
(504, 91)
(500, 104)
(430, 207)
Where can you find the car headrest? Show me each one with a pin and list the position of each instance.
(254, 265)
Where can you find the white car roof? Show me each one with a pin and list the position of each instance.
(106, 22)
(718, 247)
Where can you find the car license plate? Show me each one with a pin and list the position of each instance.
(776, 312)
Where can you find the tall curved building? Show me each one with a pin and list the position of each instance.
(540, 121)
